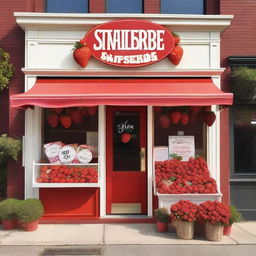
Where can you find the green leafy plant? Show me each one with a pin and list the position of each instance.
(162, 215)
(9, 208)
(6, 70)
(235, 215)
(9, 148)
(243, 83)
(30, 210)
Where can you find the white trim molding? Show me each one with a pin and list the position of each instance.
(67, 21)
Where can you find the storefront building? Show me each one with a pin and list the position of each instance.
(121, 101)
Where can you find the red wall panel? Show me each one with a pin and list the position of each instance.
(70, 203)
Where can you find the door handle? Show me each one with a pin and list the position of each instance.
(143, 159)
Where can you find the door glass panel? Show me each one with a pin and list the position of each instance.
(126, 141)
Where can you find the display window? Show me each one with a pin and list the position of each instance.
(70, 148)
(180, 150)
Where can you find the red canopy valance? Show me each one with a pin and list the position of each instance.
(54, 93)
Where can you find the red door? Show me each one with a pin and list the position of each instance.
(126, 160)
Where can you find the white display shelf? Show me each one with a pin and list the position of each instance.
(166, 200)
(36, 171)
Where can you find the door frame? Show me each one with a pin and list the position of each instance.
(102, 161)
(110, 174)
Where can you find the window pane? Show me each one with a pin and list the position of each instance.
(126, 155)
(182, 6)
(67, 6)
(124, 6)
(245, 138)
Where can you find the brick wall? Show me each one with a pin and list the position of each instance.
(238, 39)
(212, 7)
(151, 6)
(12, 120)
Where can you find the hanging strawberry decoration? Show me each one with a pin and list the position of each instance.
(164, 121)
(76, 116)
(209, 118)
(52, 119)
(184, 118)
(65, 120)
(81, 53)
(176, 54)
(175, 117)
(126, 137)
(92, 110)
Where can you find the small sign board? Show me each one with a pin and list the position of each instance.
(183, 146)
(160, 153)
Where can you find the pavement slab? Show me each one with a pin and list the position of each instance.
(147, 234)
(241, 235)
(61, 234)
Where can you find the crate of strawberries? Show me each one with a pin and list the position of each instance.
(64, 174)
(184, 180)
(180, 177)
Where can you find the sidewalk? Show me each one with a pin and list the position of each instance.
(107, 235)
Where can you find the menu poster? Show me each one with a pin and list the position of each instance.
(92, 140)
(160, 153)
(183, 146)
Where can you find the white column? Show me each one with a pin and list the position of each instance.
(102, 158)
(150, 158)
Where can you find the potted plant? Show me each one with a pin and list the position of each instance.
(235, 216)
(243, 83)
(183, 216)
(215, 215)
(8, 213)
(29, 212)
(163, 218)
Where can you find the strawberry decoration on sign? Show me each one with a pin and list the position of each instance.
(126, 137)
(176, 54)
(81, 53)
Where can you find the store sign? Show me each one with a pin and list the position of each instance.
(183, 146)
(129, 43)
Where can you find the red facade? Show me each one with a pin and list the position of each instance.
(239, 38)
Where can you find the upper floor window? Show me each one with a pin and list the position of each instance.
(67, 6)
(124, 6)
(182, 6)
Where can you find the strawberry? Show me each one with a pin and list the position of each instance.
(175, 55)
(76, 116)
(164, 121)
(92, 110)
(195, 109)
(157, 109)
(126, 137)
(52, 119)
(184, 118)
(81, 53)
(177, 38)
(175, 117)
(65, 120)
(210, 118)
(207, 109)
(83, 111)
(58, 110)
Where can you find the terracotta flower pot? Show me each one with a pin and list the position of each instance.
(9, 224)
(213, 232)
(30, 226)
(162, 226)
(184, 229)
(227, 230)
